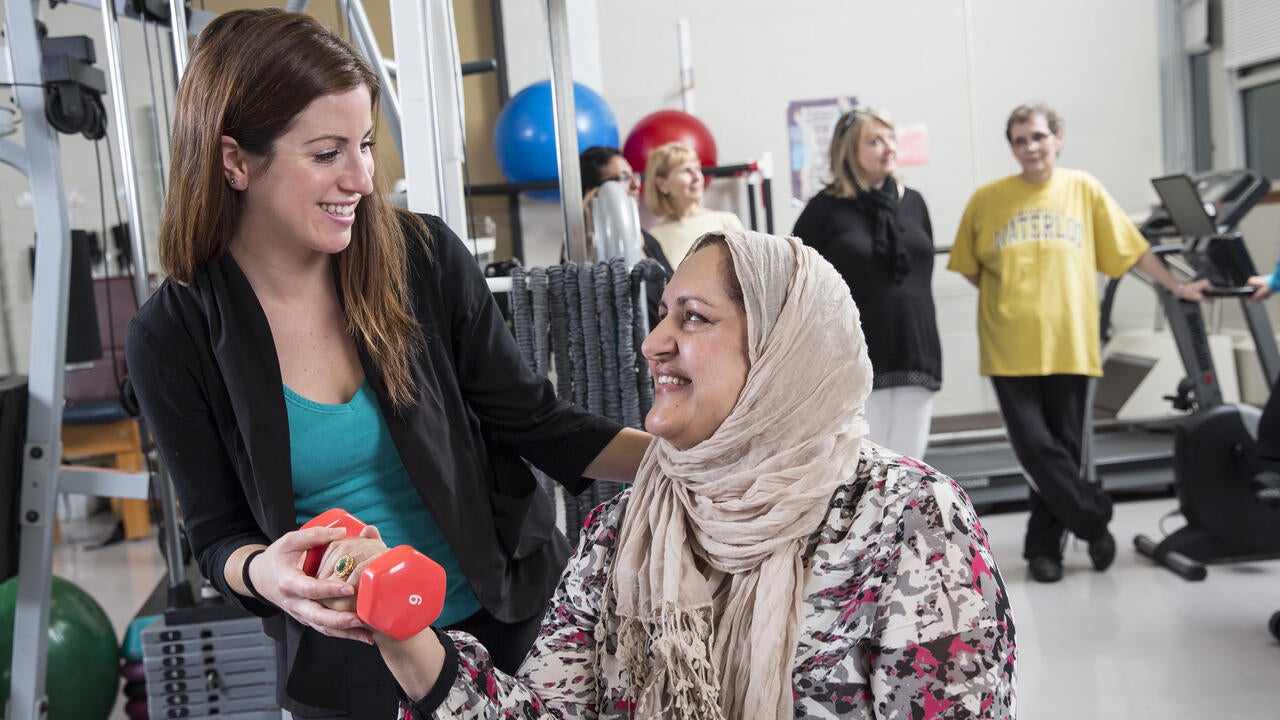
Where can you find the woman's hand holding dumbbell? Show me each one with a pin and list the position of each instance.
(400, 591)
(362, 550)
(276, 574)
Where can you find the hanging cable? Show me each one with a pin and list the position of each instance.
(560, 331)
(155, 121)
(522, 315)
(577, 353)
(591, 338)
(164, 87)
(115, 196)
(541, 321)
(628, 393)
(608, 341)
(106, 265)
(646, 273)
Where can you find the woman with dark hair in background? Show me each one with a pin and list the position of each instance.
(877, 233)
(315, 348)
(601, 164)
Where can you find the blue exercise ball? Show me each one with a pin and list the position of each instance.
(524, 138)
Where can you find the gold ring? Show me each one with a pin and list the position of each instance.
(345, 565)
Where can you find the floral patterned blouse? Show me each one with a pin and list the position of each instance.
(905, 616)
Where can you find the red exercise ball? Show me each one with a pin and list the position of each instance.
(666, 126)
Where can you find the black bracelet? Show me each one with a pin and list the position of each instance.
(244, 575)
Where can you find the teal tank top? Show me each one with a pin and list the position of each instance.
(343, 456)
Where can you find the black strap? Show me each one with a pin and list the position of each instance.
(244, 575)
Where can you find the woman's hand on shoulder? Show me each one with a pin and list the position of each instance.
(277, 575)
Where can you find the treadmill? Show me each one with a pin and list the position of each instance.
(1215, 446)
(1134, 455)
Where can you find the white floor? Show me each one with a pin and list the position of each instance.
(1134, 642)
(1138, 641)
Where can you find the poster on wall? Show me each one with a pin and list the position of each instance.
(913, 144)
(809, 127)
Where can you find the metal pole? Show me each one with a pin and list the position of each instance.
(178, 29)
(415, 80)
(43, 448)
(1264, 340)
(686, 66)
(128, 161)
(429, 81)
(362, 33)
(563, 116)
(1187, 326)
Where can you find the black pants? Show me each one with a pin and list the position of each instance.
(1044, 416)
(376, 698)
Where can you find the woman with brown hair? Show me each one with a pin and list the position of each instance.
(314, 348)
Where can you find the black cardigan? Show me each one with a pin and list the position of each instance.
(204, 366)
(898, 319)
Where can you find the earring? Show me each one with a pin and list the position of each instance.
(231, 181)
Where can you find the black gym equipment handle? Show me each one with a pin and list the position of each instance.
(1184, 566)
(1230, 292)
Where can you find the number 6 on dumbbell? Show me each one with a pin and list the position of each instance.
(401, 591)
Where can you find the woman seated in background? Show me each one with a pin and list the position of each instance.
(877, 234)
(601, 164)
(768, 562)
(673, 187)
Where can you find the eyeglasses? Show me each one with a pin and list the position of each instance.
(846, 121)
(1038, 138)
(624, 178)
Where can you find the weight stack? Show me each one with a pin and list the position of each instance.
(219, 667)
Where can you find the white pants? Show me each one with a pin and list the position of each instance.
(900, 417)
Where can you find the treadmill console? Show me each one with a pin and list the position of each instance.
(1204, 210)
(1223, 199)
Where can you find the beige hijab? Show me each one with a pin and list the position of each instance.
(709, 577)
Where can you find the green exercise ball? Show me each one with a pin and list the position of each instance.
(84, 660)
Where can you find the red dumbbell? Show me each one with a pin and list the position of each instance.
(401, 591)
(335, 517)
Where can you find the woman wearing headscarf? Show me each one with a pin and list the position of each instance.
(768, 562)
(877, 234)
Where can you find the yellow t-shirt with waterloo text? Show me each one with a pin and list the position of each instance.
(1037, 250)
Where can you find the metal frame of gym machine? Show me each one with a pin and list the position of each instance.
(426, 43)
(1186, 324)
(43, 476)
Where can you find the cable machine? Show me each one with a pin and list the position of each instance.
(46, 77)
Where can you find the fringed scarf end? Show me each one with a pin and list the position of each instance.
(669, 662)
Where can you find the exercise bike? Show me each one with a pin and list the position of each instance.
(1215, 449)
